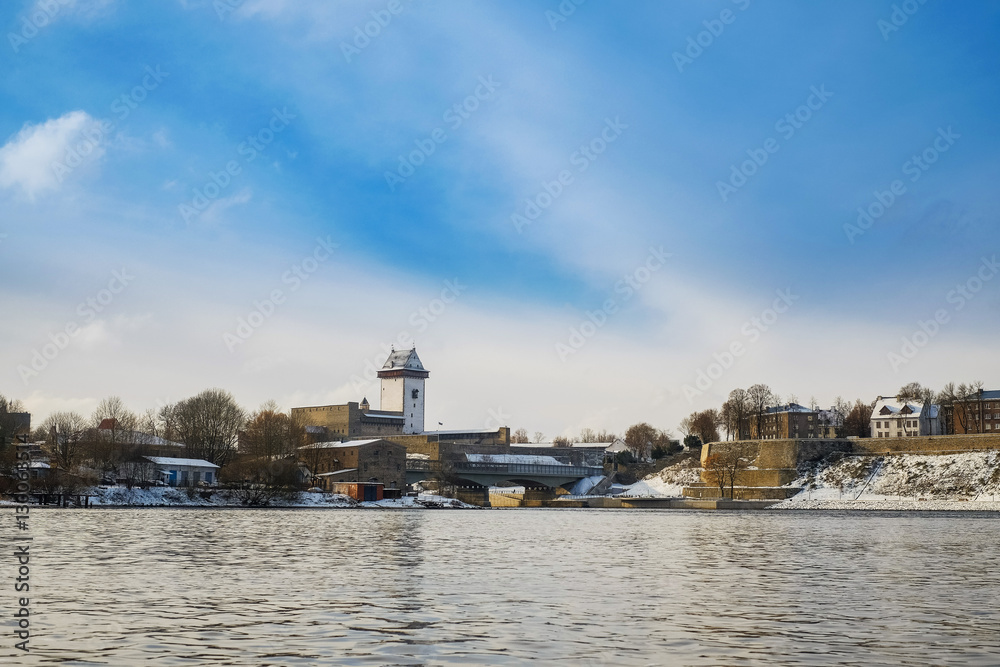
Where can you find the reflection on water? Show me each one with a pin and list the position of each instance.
(574, 587)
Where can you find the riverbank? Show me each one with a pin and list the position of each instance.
(118, 496)
(890, 505)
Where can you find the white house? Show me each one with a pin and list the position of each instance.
(185, 472)
(892, 418)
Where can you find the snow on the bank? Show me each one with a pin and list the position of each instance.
(671, 480)
(119, 496)
(965, 476)
(585, 485)
(638, 490)
(888, 505)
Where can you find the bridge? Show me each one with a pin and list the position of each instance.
(491, 473)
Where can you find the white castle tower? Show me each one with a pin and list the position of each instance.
(403, 388)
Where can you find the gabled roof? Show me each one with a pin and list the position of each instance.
(407, 359)
(890, 406)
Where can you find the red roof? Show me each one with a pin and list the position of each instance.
(107, 424)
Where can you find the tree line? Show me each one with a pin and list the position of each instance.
(253, 449)
(743, 415)
(640, 439)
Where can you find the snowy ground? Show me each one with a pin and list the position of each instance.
(888, 505)
(671, 480)
(668, 483)
(952, 481)
(119, 496)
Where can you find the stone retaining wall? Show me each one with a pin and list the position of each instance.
(789, 453)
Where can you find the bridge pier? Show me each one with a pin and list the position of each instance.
(474, 495)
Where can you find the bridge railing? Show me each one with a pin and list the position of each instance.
(504, 468)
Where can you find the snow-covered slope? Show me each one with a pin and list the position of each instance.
(671, 480)
(971, 476)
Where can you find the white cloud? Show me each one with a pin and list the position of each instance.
(213, 212)
(40, 157)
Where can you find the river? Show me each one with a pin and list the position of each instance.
(507, 587)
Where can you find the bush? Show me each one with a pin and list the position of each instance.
(692, 441)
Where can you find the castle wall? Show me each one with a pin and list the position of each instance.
(789, 453)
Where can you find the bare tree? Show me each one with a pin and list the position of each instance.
(727, 460)
(64, 435)
(561, 441)
(914, 392)
(760, 398)
(112, 437)
(539, 437)
(272, 434)
(706, 425)
(962, 403)
(639, 439)
(520, 436)
(841, 409)
(736, 414)
(208, 424)
(715, 470)
(971, 402)
(738, 456)
(858, 420)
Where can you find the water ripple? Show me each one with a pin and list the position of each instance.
(563, 587)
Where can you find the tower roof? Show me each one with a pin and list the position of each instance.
(403, 359)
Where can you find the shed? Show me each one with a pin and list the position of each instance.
(364, 491)
(185, 472)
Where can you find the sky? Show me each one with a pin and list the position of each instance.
(583, 214)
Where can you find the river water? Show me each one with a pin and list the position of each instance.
(506, 587)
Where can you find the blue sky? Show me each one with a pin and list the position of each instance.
(547, 89)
